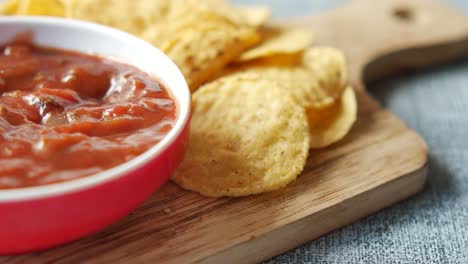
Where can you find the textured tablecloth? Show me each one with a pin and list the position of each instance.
(431, 227)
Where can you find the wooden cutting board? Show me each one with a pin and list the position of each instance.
(380, 163)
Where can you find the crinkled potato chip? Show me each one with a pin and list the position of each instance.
(286, 41)
(247, 136)
(34, 7)
(316, 78)
(201, 44)
(333, 123)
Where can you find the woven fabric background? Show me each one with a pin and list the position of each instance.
(431, 227)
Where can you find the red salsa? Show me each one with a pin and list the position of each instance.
(65, 114)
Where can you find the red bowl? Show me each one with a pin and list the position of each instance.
(41, 217)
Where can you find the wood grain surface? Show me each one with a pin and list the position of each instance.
(381, 162)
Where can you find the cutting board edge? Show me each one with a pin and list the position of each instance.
(297, 233)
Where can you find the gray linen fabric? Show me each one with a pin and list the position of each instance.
(431, 227)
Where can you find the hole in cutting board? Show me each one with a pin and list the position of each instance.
(403, 14)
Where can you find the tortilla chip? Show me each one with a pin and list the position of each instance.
(333, 123)
(131, 16)
(247, 136)
(285, 41)
(201, 44)
(316, 78)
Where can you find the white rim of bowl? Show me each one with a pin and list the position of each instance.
(61, 188)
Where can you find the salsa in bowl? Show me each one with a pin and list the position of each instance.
(66, 114)
(92, 122)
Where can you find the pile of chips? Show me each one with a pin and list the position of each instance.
(263, 96)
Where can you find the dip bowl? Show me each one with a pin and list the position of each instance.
(36, 218)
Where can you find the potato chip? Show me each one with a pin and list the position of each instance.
(286, 41)
(247, 136)
(201, 44)
(331, 124)
(315, 78)
(34, 7)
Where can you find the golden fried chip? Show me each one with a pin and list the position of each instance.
(34, 7)
(316, 78)
(328, 65)
(247, 136)
(288, 41)
(241, 15)
(331, 124)
(131, 16)
(201, 44)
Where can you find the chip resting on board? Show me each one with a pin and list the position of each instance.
(316, 78)
(248, 136)
(329, 66)
(331, 124)
(201, 44)
(279, 41)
